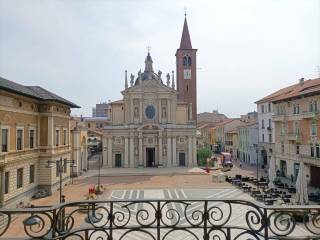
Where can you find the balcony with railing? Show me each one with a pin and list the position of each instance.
(278, 117)
(162, 219)
(294, 136)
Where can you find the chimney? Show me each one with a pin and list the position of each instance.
(301, 81)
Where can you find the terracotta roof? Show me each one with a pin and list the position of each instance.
(35, 92)
(185, 39)
(307, 87)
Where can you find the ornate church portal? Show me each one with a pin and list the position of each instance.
(154, 124)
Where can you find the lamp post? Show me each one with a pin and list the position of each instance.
(256, 148)
(98, 191)
(61, 163)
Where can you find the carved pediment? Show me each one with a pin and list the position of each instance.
(150, 127)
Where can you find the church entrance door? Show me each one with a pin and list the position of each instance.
(150, 153)
(182, 159)
(118, 160)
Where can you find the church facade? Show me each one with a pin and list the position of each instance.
(154, 125)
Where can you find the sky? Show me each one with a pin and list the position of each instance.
(80, 49)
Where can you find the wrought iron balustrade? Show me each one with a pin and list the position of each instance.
(162, 219)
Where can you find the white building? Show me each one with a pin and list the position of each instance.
(266, 130)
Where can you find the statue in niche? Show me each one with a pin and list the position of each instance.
(164, 112)
(164, 151)
(136, 112)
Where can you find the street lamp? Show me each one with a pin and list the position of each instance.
(61, 163)
(257, 150)
(98, 191)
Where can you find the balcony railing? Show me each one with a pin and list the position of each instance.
(163, 219)
(294, 136)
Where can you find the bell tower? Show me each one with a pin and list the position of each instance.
(186, 61)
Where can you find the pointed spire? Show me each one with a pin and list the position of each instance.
(185, 39)
(126, 80)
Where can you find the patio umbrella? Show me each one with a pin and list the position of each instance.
(272, 172)
(301, 186)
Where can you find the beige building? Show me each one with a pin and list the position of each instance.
(150, 126)
(297, 131)
(34, 129)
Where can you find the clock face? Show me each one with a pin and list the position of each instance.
(187, 73)
(150, 111)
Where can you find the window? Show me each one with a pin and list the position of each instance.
(64, 136)
(269, 107)
(185, 61)
(57, 168)
(262, 137)
(19, 139)
(317, 151)
(313, 106)
(31, 138)
(313, 129)
(88, 125)
(269, 123)
(296, 127)
(297, 149)
(262, 108)
(262, 124)
(19, 178)
(31, 174)
(296, 108)
(282, 148)
(189, 61)
(311, 150)
(57, 137)
(6, 182)
(270, 137)
(65, 165)
(4, 138)
(100, 125)
(97, 125)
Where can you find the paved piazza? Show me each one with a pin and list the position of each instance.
(237, 218)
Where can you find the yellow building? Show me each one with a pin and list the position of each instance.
(34, 129)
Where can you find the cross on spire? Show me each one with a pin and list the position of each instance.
(148, 48)
(185, 12)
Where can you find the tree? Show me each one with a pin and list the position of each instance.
(203, 154)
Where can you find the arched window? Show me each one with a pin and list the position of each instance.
(189, 61)
(185, 61)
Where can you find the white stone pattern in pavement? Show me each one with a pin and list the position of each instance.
(177, 212)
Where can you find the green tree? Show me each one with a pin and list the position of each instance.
(203, 154)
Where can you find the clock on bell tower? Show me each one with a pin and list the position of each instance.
(186, 58)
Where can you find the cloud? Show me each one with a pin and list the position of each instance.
(80, 49)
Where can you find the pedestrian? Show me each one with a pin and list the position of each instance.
(240, 164)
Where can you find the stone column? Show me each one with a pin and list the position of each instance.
(109, 152)
(140, 112)
(131, 155)
(159, 111)
(126, 152)
(140, 151)
(174, 151)
(190, 150)
(169, 113)
(169, 152)
(2, 186)
(194, 151)
(160, 150)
